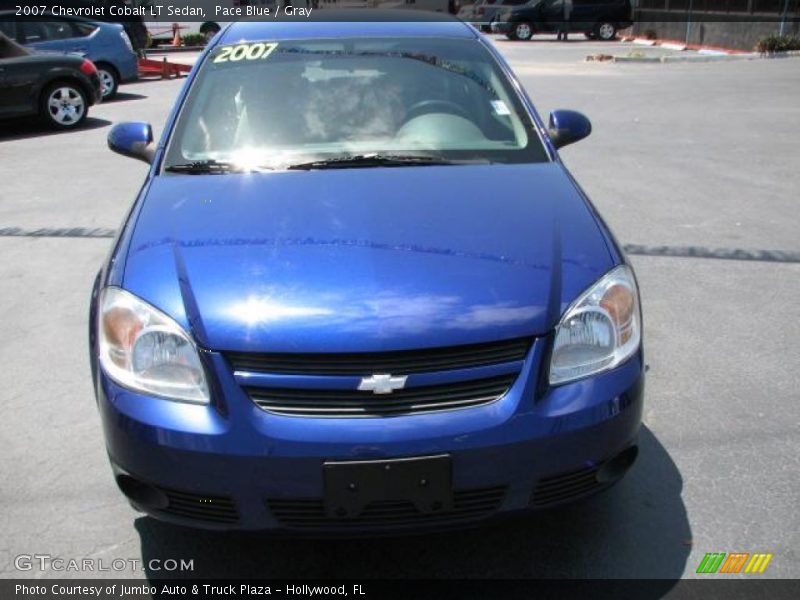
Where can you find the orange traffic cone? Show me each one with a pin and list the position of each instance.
(176, 37)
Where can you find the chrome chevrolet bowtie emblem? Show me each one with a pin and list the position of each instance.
(382, 384)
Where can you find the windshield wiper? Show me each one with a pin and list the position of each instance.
(379, 160)
(202, 167)
(210, 167)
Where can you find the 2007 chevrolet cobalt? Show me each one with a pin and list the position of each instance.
(359, 291)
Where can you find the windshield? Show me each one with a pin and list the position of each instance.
(274, 105)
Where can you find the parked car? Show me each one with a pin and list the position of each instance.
(105, 44)
(484, 12)
(392, 308)
(599, 19)
(58, 87)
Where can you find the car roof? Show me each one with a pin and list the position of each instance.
(349, 23)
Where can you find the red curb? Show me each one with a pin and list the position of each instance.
(166, 70)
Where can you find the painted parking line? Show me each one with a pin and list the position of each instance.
(740, 254)
(59, 232)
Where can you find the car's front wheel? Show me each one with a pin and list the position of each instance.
(522, 31)
(64, 105)
(109, 80)
(605, 31)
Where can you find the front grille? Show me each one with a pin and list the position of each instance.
(567, 486)
(310, 513)
(215, 509)
(355, 403)
(405, 362)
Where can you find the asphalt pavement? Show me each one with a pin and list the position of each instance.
(694, 167)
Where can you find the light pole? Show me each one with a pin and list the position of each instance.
(783, 17)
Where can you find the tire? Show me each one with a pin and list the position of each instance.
(605, 31)
(522, 31)
(109, 80)
(63, 105)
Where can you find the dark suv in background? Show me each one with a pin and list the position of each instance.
(600, 19)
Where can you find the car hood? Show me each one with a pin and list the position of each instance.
(374, 259)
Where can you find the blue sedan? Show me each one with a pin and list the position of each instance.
(358, 291)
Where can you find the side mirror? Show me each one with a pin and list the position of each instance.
(568, 126)
(132, 139)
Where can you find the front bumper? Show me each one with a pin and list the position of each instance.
(235, 466)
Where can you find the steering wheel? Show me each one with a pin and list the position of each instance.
(434, 106)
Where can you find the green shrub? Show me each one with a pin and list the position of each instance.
(777, 43)
(194, 39)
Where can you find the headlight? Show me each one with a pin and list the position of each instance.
(601, 329)
(143, 349)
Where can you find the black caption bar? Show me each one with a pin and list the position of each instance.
(222, 11)
(206, 589)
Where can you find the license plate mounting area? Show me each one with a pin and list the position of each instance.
(350, 486)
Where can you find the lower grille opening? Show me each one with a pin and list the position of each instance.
(200, 507)
(567, 486)
(355, 403)
(310, 513)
